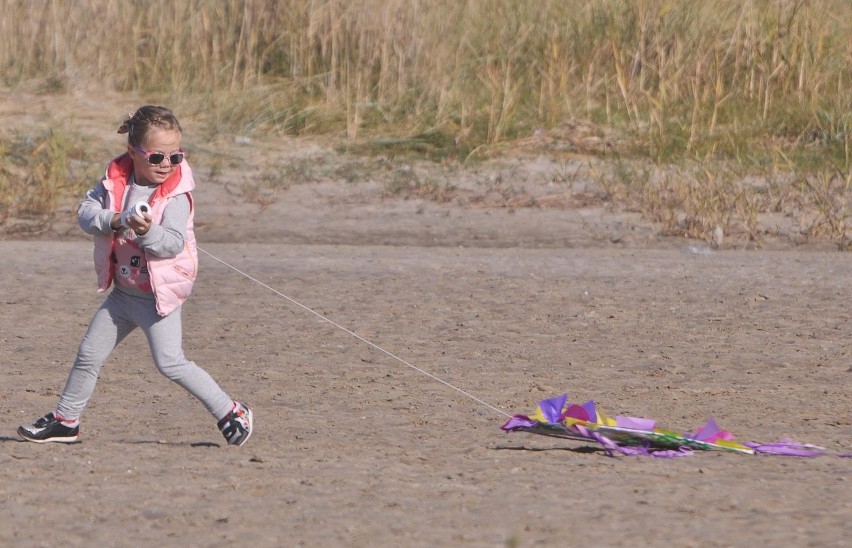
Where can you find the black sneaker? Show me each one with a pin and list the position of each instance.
(237, 425)
(50, 429)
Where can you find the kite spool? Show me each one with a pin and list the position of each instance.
(139, 209)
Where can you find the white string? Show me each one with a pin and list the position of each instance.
(359, 337)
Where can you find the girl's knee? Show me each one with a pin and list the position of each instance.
(173, 371)
(177, 370)
(90, 357)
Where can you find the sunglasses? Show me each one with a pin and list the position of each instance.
(157, 158)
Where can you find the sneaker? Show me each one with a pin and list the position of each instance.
(49, 428)
(237, 425)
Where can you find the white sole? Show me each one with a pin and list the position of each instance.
(67, 439)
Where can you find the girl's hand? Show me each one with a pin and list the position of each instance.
(140, 224)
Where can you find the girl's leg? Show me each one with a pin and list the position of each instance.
(108, 328)
(165, 336)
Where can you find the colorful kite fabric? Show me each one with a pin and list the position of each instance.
(637, 436)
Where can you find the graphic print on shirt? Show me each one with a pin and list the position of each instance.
(132, 267)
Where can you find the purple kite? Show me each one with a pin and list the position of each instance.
(639, 436)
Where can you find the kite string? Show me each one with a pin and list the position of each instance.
(352, 333)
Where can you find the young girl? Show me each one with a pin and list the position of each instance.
(141, 217)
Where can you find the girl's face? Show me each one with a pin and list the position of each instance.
(165, 142)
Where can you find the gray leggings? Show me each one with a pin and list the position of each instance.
(120, 314)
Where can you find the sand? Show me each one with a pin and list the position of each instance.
(382, 341)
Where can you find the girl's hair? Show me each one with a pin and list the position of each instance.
(137, 125)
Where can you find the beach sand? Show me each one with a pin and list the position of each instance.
(382, 340)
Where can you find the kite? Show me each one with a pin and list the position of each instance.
(639, 436)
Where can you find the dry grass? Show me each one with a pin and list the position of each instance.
(37, 171)
(759, 85)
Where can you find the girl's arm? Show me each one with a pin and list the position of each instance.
(92, 214)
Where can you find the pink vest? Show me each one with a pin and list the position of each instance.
(171, 277)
